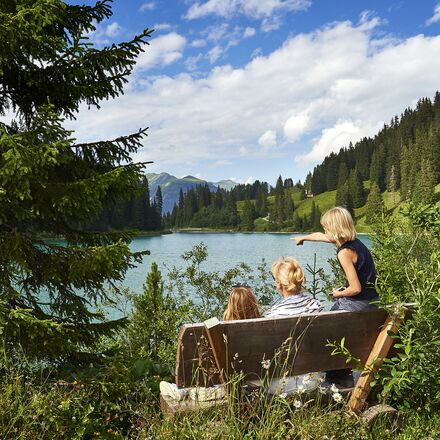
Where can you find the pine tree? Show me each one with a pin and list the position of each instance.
(425, 183)
(342, 174)
(356, 188)
(49, 183)
(288, 208)
(374, 205)
(377, 169)
(248, 215)
(154, 319)
(261, 202)
(405, 173)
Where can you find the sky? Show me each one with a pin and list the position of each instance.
(254, 89)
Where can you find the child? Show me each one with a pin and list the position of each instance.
(354, 257)
(242, 304)
(290, 281)
(359, 269)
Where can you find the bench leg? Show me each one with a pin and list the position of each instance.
(380, 350)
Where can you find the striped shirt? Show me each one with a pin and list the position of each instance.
(298, 304)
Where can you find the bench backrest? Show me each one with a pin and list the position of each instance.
(299, 343)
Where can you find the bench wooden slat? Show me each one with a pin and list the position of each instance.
(253, 340)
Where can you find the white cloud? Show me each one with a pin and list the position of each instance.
(214, 54)
(198, 43)
(268, 139)
(271, 24)
(222, 163)
(296, 126)
(162, 51)
(103, 34)
(162, 27)
(436, 17)
(252, 8)
(332, 75)
(149, 6)
(249, 32)
(112, 30)
(336, 137)
(191, 62)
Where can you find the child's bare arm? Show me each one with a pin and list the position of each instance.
(315, 236)
(345, 257)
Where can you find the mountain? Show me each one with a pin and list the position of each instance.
(171, 185)
(227, 184)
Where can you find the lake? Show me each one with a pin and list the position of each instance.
(225, 251)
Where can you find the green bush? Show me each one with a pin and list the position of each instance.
(407, 255)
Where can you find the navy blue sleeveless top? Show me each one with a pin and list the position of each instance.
(365, 269)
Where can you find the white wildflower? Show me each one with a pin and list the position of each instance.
(322, 390)
(283, 395)
(334, 388)
(301, 389)
(297, 403)
(235, 356)
(225, 338)
(337, 397)
(306, 379)
(265, 363)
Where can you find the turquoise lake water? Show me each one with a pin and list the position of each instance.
(225, 251)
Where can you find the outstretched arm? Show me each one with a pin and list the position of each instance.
(315, 236)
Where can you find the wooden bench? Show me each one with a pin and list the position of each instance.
(208, 353)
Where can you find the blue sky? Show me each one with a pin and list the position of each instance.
(251, 89)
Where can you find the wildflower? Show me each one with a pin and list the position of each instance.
(73, 418)
(306, 379)
(283, 395)
(301, 389)
(334, 388)
(235, 356)
(297, 403)
(265, 363)
(337, 397)
(321, 389)
(74, 382)
(225, 338)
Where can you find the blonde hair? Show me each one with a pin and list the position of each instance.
(338, 223)
(289, 274)
(242, 304)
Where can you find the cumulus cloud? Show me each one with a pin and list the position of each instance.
(336, 137)
(312, 95)
(162, 51)
(268, 139)
(296, 126)
(252, 8)
(436, 17)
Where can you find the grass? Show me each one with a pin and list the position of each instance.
(324, 202)
(47, 411)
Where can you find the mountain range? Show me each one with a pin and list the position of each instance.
(171, 185)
